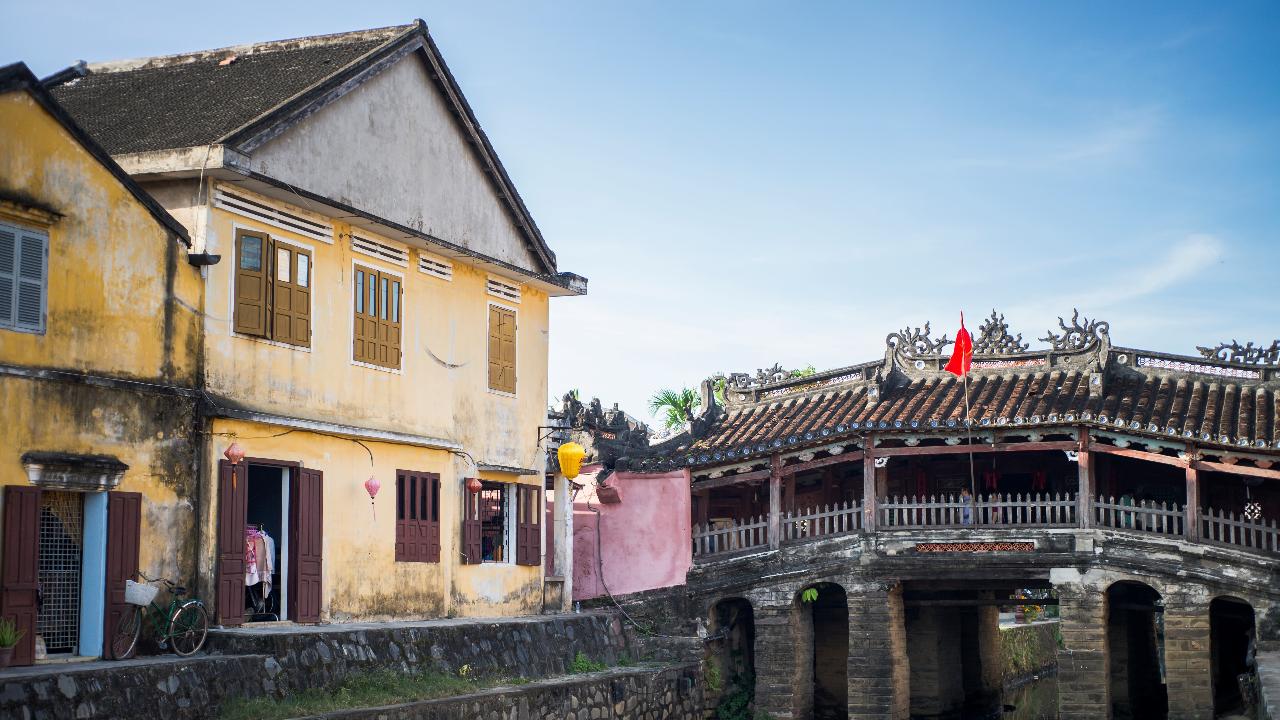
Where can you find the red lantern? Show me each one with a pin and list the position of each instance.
(234, 453)
(474, 485)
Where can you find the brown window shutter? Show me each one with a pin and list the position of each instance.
(306, 530)
(124, 520)
(365, 333)
(291, 295)
(502, 349)
(403, 501)
(392, 319)
(432, 519)
(20, 566)
(233, 502)
(417, 519)
(253, 260)
(471, 546)
(528, 548)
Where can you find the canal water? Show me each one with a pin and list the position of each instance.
(1036, 700)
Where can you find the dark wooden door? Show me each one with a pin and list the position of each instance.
(124, 520)
(233, 504)
(20, 571)
(306, 544)
(472, 547)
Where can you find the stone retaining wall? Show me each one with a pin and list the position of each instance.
(1027, 650)
(305, 657)
(667, 693)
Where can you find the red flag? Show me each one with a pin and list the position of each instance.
(962, 355)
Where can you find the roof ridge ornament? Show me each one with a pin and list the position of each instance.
(994, 338)
(915, 342)
(1077, 336)
(1246, 354)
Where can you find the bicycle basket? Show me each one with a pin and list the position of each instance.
(138, 593)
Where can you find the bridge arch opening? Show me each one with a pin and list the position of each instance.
(828, 662)
(1231, 649)
(1135, 652)
(731, 652)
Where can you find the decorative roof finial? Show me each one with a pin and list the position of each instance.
(1246, 354)
(1077, 336)
(994, 338)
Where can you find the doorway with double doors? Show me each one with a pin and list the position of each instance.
(270, 537)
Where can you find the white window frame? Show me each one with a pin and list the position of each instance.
(488, 329)
(351, 315)
(42, 233)
(508, 526)
(236, 227)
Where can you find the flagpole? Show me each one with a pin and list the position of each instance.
(973, 488)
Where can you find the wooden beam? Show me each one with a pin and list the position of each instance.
(1235, 469)
(750, 477)
(977, 448)
(973, 602)
(852, 457)
(1138, 454)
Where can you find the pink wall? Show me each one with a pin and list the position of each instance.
(645, 538)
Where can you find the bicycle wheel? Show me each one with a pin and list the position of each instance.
(189, 627)
(128, 629)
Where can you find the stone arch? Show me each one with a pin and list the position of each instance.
(822, 680)
(1232, 643)
(730, 653)
(1135, 651)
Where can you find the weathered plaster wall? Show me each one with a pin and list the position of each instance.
(392, 147)
(652, 522)
(121, 303)
(441, 388)
(361, 578)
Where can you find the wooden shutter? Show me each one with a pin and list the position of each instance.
(502, 349)
(20, 569)
(417, 516)
(290, 296)
(306, 542)
(124, 520)
(471, 546)
(365, 306)
(390, 312)
(233, 504)
(8, 273)
(379, 315)
(528, 527)
(253, 261)
(24, 272)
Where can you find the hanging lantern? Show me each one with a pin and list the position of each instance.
(474, 485)
(570, 455)
(1253, 511)
(234, 453)
(372, 486)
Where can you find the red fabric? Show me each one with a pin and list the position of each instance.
(1038, 480)
(990, 479)
(962, 354)
(922, 483)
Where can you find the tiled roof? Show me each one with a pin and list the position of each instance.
(194, 99)
(1207, 401)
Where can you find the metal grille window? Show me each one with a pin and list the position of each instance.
(61, 541)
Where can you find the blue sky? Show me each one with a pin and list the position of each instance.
(748, 183)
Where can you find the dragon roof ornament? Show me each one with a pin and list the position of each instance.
(1077, 336)
(915, 342)
(994, 338)
(1245, 354)
(765, 376)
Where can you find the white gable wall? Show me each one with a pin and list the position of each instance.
(392, 148)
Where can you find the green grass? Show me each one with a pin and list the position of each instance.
(583, 664)
(367, 690)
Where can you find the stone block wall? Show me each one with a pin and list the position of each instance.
(530, 647)
(1186, 656)
(878, 668)
(620, 694)
(1083, 672)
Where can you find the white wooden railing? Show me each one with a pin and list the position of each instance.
(722, 536)
(1226, 528)
(996, 510)
(821, 521)
(1145, 516)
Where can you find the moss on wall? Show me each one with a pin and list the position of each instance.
(1028, 649)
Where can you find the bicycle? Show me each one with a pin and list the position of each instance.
(184, 625)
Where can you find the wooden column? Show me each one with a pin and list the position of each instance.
(775, 502)
(1084, 497)
(869, 512)
(1191, 513)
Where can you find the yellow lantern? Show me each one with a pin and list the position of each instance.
(570, 455)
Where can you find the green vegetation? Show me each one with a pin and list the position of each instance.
(712, 676)
(674, 407)
(9, 633)
(809, 595)
(1027, 649)
(583, 664)
(366, 690)
(803, 372)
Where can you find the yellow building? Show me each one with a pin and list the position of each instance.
(375, 313)
(100, 342)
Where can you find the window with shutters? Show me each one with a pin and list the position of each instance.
(417, 516)
(485, 518)
(529, 509)
(502, 349)
(272, 289)
(24, 278)
(378, 306)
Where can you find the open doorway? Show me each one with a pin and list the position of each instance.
(266, 543)
(1135, 651)
(829, 613)
(1231, 648)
